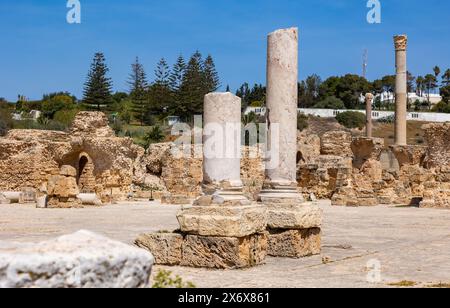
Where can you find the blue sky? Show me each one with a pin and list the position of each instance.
(40, 52)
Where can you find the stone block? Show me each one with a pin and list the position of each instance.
(68, 171)
(165, 247)
(294, 243)
(293, 216)
(223, 221)
(224, 252)
(80, 260)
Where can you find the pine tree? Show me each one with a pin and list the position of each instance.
(138, 87)
(162, 73)
(211, 77)
(159, 92)
(176, 77)
(192, 88)
(97, 89)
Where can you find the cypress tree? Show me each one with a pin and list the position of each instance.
(97, 88)
(138, 87)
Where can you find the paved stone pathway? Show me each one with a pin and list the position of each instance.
(409, 244)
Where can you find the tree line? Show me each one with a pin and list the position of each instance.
(345, 92)
(174, 91)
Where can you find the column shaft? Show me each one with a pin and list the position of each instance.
(401, 90)
(282, 100)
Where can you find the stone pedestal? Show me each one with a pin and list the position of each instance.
(401, 90)
(369, 123)
(288, 216)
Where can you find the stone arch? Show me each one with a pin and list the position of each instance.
(85, 173)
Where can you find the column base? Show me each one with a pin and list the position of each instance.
(177, 249)
(223, 221)
(280, 195)
(294, 226)
(294, 243)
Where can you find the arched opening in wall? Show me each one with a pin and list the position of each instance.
(81, 167)
(86, 179)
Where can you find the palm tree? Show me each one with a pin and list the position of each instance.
(437, 71)
(430, 84)
(420, 81)
(446, 78)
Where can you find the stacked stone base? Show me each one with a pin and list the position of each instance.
(206, 251)
(294, 243)
(294, 229)
(235, 234)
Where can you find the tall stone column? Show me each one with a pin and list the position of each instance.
(401, 90)
(281, 103)
(293, 225)
(369, 123)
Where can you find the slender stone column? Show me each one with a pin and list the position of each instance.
(222, 142)
(401, 88)
(282, 100)
(369, 124)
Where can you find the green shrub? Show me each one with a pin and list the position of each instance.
(302, 122)
(65, 117)
(387, 120)
(117, 126)
(164, 280)
(331, 102)
(442, 107)
(155, 135)
(352, 119)
(6, 122)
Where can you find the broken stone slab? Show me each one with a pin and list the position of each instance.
(294, 243)
(225, 221)
(79, 260)
(224, 252)
(294, 216)
(41, 202)
(165, 247)
(10, 197)
(89, 199)
(3, 199)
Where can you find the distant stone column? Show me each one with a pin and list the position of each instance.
(401, 88)
(222, 142)
(281, 102)
(369, 124)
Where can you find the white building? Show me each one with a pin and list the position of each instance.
(330, 113)
(413, 97)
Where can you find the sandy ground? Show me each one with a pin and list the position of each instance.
(363, 247)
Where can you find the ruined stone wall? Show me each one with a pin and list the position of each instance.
(28, 158)
(181, 173)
